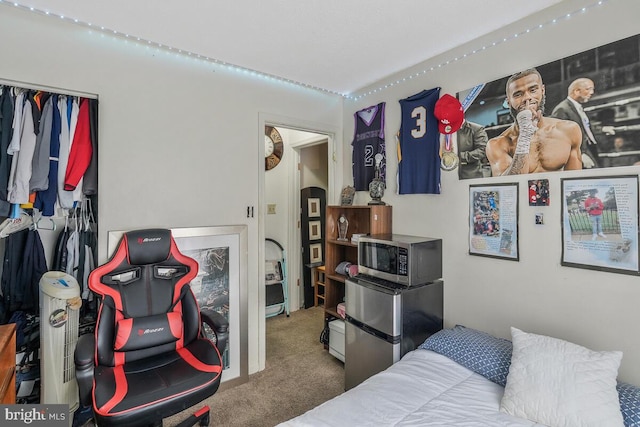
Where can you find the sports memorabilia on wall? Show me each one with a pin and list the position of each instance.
(600, 223)
(418, 145)
(273, 147)
(591, 89)
(493, 221)
(368, 140)
(450, 115)
(539, 192)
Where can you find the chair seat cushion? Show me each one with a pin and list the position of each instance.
(145, 388)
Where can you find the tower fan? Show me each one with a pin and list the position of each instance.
(59, 317)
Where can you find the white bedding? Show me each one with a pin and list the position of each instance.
(423, 389)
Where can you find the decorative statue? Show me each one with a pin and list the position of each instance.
(376, 186)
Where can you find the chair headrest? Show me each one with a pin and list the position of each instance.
(148, 246)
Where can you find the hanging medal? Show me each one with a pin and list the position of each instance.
(448, 159)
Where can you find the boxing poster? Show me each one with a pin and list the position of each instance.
(578, 112)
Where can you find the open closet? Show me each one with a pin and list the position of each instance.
(48, 212)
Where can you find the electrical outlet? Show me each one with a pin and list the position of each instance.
(271, 209)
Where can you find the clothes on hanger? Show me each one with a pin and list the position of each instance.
(48, 167)
(41, 131)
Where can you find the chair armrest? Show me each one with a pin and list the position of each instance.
(83, 359)
(219, 325)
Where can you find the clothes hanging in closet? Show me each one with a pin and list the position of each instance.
(48, 167)
(48, 145)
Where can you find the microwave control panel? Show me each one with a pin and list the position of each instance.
(402, 261)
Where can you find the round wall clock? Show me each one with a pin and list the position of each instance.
(273, 147)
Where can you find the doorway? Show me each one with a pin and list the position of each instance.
(304, 163)
(285, 190)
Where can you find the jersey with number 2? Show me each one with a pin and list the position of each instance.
(418, 145)
(368, 140)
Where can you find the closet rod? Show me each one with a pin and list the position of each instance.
(59, 91)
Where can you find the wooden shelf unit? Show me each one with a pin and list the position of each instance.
(374, 219)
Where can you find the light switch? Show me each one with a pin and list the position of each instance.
(271, 209)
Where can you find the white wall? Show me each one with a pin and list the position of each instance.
(180, 140)
(596, 309)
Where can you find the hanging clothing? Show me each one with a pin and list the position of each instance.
(46, 199)
(32, 267)
(60, 251)
(6, 132)
(40, 163)
(12, 293)
(80, 152)
(18, 108)
(90, 179)
(73, 254)
(65, 198)
(21, 166)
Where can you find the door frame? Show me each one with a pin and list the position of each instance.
(334, 142)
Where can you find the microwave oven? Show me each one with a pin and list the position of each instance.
(406, 260)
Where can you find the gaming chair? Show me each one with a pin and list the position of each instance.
(149, 357)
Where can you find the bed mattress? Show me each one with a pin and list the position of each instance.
(423, 389)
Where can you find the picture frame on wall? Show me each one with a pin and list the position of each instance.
(314, 207)
(315, 230)
(600, 223)
(493, 221)
(315, 253)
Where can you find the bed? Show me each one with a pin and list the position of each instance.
(464, 377)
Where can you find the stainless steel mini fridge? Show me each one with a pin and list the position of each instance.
(384, 321)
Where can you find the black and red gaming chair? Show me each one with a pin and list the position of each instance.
(149, 357)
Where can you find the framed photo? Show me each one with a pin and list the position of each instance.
(600, 223)
(315, 230)
(315, 252)
(538, 192)
(221, 284)
(314, 207)
(493, 221)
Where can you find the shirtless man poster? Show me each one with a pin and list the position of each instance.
(610, 109)
(533, 143)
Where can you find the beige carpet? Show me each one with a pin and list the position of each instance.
(299, 375)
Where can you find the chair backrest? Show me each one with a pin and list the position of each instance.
(147, 306)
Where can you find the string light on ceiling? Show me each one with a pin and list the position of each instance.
(503, 40)
(274, 78)
(172, 50)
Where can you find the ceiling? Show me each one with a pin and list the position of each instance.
(336, 45)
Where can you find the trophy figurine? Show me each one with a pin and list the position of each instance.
(376, 186)
(343, 225)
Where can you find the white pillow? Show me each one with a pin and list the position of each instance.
(557, 383)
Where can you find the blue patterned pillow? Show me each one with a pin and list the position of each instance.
(478, 351)
(629, 404)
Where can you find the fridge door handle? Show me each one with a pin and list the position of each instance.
(372, 331)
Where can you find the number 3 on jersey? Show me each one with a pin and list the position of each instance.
(420, 114)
